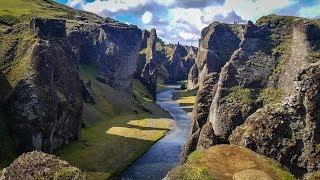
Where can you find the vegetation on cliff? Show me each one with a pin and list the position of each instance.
(228, 162)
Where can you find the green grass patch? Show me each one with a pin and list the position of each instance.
(270, 96)
(240, 95)
(225, 161)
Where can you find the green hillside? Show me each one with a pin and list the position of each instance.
(15, 11)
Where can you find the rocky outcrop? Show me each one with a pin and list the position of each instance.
(176, 68)
(217, 43)
(111, 48)
(160, 63)
(244, 74)
(228, 162)
(288, 132)
(38, 165)
(48, 28)
(259, 74)
(43, 101)
(149, 73)
(45, 107)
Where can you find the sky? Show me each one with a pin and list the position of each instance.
(182, 20)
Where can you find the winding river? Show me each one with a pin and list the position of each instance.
(165, 154)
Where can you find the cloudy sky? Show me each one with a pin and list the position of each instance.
(182, 20)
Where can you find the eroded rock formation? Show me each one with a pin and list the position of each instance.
(160, 63)
(264, 65)
(43, 101)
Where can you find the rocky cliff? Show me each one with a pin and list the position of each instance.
(263, 64)
(160, 63)
(42, 92)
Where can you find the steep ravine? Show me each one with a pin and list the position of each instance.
(165, 154)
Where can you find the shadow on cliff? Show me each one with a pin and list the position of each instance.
(5, 87)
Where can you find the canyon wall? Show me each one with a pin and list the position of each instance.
(260, 92)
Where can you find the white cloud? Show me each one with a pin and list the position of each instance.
(76, 3)
(99, 6)
(188, 36)
(191, 15)
(165, 2)
(146, 17)
(310, 12)
(253, 9)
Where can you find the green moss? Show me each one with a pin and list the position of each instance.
(270, 96)
(8, 19)
(281, 49)
(240, 95)
(140, 91)
(68, 173)
(224, 161)
(315, 55)
(278, 169)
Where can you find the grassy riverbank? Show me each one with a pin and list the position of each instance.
(186, 99)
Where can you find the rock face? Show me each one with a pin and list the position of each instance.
(43, 166)
(149, 73)
(248, 67)
(45, 106)
(264, 64)
(43, 101)
(288, 132)
(48, 28)
(228, 162)
(178, 67)
(217, 43)
(111, 48)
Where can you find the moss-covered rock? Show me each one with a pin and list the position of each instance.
(228, 162)
(38, 165)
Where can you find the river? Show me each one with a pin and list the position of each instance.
(164, 154)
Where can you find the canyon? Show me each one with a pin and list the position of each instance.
(75, 84)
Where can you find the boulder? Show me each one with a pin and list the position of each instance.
(38, 165)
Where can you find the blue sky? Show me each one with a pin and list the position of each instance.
(182, 20)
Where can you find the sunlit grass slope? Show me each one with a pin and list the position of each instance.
(120, 128)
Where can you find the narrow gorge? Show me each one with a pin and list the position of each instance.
(88, 97)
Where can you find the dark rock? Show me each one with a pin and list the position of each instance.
(48, 28)
(288, 132)
(45, 108)
(111, 49)
(207, 137)
(87, 94)
(38, 165)
(243, 75)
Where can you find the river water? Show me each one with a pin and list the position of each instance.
(165, 154)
